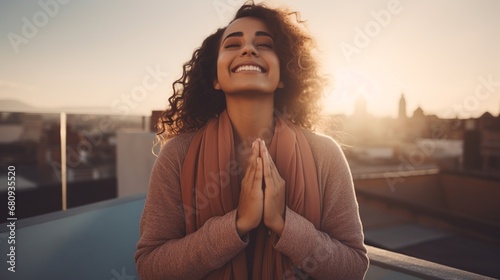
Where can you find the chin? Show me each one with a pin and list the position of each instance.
(250, 91)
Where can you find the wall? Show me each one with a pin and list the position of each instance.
(135, 160)
(475, 196)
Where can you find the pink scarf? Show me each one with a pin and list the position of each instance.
(210, 187)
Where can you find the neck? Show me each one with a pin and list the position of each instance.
(251, 118)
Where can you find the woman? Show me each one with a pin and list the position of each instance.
(243, 189)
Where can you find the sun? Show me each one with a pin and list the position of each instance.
(349, 86)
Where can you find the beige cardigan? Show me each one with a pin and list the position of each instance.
(335, 251)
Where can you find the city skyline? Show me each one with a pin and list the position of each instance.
(360, 109)
(124, 55)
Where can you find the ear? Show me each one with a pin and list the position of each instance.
(216, 85)
(281, 85)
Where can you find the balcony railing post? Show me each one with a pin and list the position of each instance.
(63, 161)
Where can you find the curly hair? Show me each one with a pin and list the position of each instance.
(195, 101)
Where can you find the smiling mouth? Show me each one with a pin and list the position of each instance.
(248, 68)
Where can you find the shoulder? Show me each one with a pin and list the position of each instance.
(328, 155)
(174, 151)
(323, 146)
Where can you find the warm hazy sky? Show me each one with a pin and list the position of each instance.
(97, 53)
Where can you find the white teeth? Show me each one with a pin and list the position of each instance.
(248, 68)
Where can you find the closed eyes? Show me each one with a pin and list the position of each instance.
(269, 46)
(231, 46)
(262, 45)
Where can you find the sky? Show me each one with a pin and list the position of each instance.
(123, 55)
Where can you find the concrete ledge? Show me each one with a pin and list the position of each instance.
(417, 267)
(460, 220)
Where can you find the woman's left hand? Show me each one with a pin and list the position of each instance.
(274, 194)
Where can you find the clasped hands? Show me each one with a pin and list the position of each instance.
(262, 195)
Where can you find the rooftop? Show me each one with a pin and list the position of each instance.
(97, 241)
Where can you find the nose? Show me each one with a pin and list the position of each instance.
(249, 49)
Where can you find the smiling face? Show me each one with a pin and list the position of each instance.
(247, 61)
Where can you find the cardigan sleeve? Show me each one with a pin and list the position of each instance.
(336, 250)
(164, 251)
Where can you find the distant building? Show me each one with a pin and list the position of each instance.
(418, 113)
(418, 125)
(402, 107)
(482, 144)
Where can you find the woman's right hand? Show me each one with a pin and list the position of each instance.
(251, 204)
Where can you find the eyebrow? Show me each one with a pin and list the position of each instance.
(240, 34)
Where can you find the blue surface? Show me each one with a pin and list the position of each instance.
(91, 244)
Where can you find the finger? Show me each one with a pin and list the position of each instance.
(267, 162)
(257, 181)
(263, 150)
(275, 177)
(253, 159)
(267, 155)
(255, 150)
(263, 154)
(272, 166)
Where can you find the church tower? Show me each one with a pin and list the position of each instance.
(402, 107)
